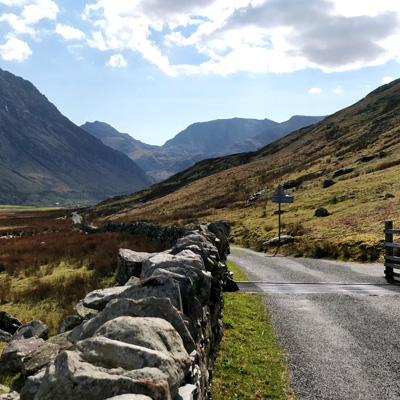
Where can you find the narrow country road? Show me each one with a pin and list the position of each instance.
(338, 322)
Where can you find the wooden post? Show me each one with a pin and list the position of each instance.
(388, 250)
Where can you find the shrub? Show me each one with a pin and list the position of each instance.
(295, 229)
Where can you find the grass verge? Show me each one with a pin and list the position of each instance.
(238, 274)
(250, 364)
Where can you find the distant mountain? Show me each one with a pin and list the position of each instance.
(159, 163)
(197, 142)
(269, 134)
(214, 136)
(45, 158)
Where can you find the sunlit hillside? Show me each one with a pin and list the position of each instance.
(362, 139)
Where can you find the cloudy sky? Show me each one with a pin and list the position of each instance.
(152, 67)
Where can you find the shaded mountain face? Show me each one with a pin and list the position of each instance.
(45, 158)
(197, 142)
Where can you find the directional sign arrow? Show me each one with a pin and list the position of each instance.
(280, 196)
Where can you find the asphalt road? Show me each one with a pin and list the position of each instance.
(339, 345)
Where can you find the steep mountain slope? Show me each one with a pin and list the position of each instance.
(159, 163)
(45, 158)
(197, 142)
(118, 141)
(358, 149)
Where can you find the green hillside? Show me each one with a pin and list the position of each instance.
(362, 139)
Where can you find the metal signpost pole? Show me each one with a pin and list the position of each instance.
(279, 224)
(280, 197)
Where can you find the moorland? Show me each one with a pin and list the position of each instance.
(47, 264)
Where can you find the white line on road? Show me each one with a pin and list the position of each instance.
(363, 289)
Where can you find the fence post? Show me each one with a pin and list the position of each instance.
(388, 250)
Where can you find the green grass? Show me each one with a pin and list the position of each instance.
(38, 208)
(238, 274)
(250, 364)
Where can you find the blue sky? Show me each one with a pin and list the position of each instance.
(152, 67)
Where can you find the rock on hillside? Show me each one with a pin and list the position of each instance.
(45, 158)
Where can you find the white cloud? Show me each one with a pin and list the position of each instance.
(338, 90)
(314, 91)
(249, 35)
(15, 3)
(117, 61)
(68, 32)
(33, 11)
(387, 79)
(15, 50)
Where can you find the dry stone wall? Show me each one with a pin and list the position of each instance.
(155, 336)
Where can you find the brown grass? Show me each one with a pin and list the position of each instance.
(49, 264)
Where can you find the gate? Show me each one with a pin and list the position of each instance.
(392, 262)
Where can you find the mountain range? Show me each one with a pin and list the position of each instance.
(197, 142)
(46, 159)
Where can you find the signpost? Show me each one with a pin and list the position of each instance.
(280, 196)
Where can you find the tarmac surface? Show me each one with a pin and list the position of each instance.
(338, 322)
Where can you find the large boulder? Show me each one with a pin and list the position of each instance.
(155, 286)
(293, 183)
(276, 242)
(146, 307)
(69, 377)
(153, 333)
(45, 353)
(388, 196)
(69, 323)
(342, 171)
(10, 396)
(328, 183)
(188, 392)
(321, 212)
(14, 353)
(185, 258)
(84, 312)
(4, 336)
(198, 244)
(200, 281)
(130, 264)
(31, 329)
(98, 299)
(191, 306)
(108, 353)
(4, 389)
(8, 323)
